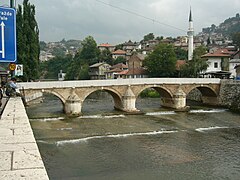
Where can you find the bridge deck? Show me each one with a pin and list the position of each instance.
(117, 82)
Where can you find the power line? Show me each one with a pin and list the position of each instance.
(139, 15)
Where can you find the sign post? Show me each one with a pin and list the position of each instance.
(8, 45)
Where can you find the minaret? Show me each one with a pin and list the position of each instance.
(190, 37)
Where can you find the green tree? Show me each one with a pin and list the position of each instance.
(43, 45)
(181, 54)
(87, 55)
(197, 65)
(148, 37)
(28, 47)
(51, 68)
(106, 56)
(119, 60)
(162, 61)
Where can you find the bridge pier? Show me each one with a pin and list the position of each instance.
(73, 105)
(129, 101)
(178, 101)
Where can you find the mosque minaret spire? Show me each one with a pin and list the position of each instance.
(190, 37)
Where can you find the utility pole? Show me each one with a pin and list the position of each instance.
(11, 3)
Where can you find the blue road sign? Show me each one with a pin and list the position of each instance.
(8, 50)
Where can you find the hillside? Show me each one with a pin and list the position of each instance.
(227, 28)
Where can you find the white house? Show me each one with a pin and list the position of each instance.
(218, 62)
(232, 67)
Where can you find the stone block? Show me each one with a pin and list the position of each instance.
(5, 161)
(30, 159)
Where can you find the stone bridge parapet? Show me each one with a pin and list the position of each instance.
(173, 91)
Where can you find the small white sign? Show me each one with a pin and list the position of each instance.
(19, 70)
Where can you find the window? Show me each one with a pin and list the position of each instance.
(215, 65)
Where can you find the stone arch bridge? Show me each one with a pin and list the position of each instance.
(173, 91)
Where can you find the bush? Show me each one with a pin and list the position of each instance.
(151, 93)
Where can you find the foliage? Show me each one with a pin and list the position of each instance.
(119, 60)
(87, 55)
(119, 46)
(161, 62)
(195, 66)
(149, 93)
(58, 51)
(51, 68)
(148, 37)
(28, 48)
(181, 54)
(106, 56)
(42, 45)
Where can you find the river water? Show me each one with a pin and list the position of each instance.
(105, 144)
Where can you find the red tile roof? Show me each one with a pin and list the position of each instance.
(179, 63)
(119, 65)
(119, 51)
(105, 45)
(219, 53)
(137, 71)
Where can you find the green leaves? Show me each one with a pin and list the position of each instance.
(28, 48)
(197, 65)
(161, 62)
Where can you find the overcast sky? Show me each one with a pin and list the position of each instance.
(117, 21)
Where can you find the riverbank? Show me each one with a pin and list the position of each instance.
(19, 154)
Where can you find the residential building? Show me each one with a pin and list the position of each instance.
(116, 71)
(45, 56)
(98, 70)
(135, 67)
(232, 66)
(106, 46)
(218, 63)
(237, 68)
(119, 53)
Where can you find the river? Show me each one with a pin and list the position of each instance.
(105, 144)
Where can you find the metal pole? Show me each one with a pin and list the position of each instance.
(12, 3)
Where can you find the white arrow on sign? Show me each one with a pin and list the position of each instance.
(3, 40)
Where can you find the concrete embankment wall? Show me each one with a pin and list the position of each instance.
(230, 94)
(19, 154)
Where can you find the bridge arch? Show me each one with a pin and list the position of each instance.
(163, 91)
(63, 100)
(209, 94)
(117, 98)
(166, 96)
(205, 90)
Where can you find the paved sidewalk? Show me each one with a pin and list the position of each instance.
(19, 154)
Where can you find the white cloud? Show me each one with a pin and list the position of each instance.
(77, 19)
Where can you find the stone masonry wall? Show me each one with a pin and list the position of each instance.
(230, 94)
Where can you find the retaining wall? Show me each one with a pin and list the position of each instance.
(230, 94)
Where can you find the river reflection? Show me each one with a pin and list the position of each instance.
(159, 144)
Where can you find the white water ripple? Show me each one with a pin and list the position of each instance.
(208, 111)
(101, 116)
(160, 113)
(48, 119)
(112, 136)
(210, 128)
